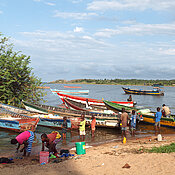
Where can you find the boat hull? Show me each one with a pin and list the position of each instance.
(143, 92)
(91, 101)
(165, 122)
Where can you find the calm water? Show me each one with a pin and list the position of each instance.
(102, 135)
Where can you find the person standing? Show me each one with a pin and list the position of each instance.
(93, 123)
(124, 121)
(158, 116)
(133, 122)
(165, 111)
(82, 127)
(64, 127)
(25, 138)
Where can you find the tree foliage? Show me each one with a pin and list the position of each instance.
(17, 82)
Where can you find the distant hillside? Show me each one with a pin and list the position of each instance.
(116, 82)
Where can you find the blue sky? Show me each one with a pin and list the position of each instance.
(72, 39)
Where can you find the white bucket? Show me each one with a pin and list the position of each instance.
(159, 137)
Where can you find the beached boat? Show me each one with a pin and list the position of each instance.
(117, 107)
(47, 120)
(149, 117)
(155, 91)
(102, 120)
(90, 101)
(17, 122)
(93, 109)
(70, 92)
(144, 115)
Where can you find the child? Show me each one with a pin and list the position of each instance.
(93, 123)
(51, 140)
(64, 127)
(158, 116)
(133, 122)
(25, 138)
(82, 127)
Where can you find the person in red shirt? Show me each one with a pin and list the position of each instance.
(50, 141)
(93, 123)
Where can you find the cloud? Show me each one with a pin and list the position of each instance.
(78, 29)
(87, 57)
(1, 12)
(139, 29)
(78, 16)
(50, 3)
(131, 5)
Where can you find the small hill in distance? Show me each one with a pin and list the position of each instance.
(116, 82)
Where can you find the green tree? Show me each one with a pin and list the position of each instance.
(17, 82)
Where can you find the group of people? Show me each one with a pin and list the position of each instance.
(50, 141)
(165, 112)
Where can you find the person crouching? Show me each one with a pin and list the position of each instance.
(50, 141)
(25, 138)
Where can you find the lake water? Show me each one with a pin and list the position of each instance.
(102, 135)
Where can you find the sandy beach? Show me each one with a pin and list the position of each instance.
(108, 159)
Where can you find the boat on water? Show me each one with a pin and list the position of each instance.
(17, 122)
(102, 120)
(155, 91)
(70, 92)
(90, 101)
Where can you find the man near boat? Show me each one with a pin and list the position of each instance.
(25, 138)
(124, 122)
(166, 111)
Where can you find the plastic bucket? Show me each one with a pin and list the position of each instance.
(80, 148)
(44, 157)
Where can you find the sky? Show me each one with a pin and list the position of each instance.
(73, 39)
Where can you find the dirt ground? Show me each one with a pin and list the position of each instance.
(108, 159)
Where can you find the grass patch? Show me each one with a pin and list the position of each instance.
(163, 149)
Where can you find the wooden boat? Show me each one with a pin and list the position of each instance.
(45, 120)
(70, 92)
(149, 117)
(93, 109)
(144, 115)
(17, 122)
(102, 120)
(156, 91)
(117, 107)
(90, 101)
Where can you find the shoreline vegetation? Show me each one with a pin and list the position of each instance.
(116, 82)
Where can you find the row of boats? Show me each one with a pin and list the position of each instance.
(107, 113)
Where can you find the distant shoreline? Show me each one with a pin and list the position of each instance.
(108, 84)
(122, 82)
